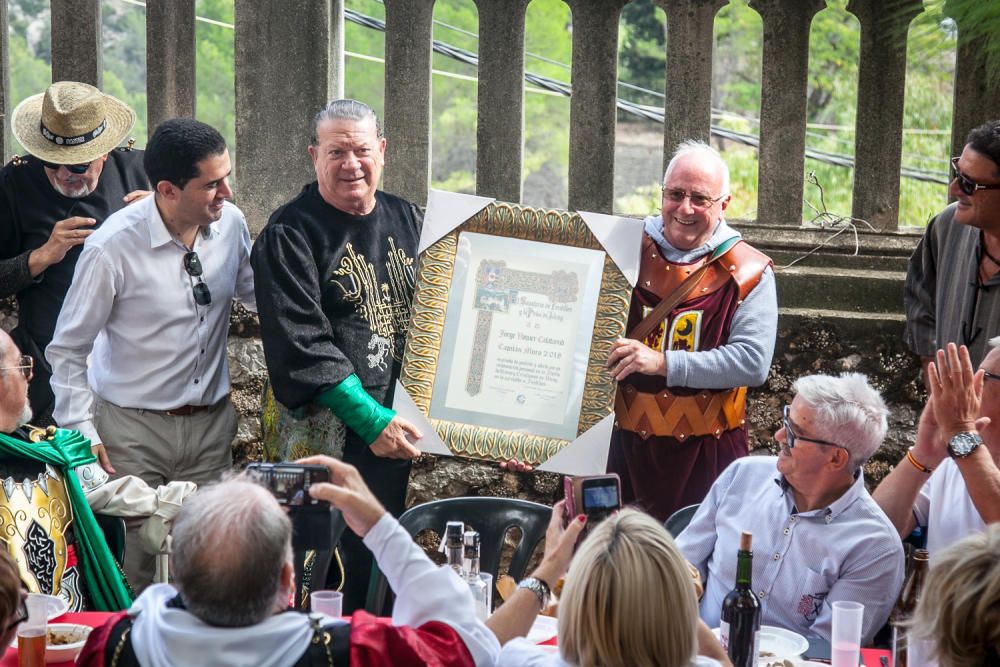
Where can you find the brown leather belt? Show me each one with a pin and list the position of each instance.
(680, 417)
(188, 410)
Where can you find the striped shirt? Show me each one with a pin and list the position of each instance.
(803, 561)
(944, 300)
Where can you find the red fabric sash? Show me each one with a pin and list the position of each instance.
(377, 643)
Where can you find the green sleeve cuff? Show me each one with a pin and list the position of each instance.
(356, 408)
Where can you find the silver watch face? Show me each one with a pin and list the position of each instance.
(963, 444)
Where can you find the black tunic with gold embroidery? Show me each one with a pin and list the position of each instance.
(333, 294)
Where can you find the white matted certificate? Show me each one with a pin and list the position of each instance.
(517, 335)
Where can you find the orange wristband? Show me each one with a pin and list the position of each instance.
(917, 464)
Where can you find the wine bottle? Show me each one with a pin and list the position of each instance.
(739, 630)
(902, 648)
(476, 584)
(453, 546)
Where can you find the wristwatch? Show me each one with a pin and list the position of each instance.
(963, 443)
(538, 587)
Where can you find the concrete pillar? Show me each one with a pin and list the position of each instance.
(687, 113)
(976, 98)
(76, 41)
(170, 61)
(6, 140)
(337, 72)
(408, 98)
(593, 104)
(785, 69)
(878, 143)
(278, 91)
(500, 122)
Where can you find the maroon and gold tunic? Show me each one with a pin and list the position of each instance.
(670, 443)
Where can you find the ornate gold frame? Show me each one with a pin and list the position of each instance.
(430, 302)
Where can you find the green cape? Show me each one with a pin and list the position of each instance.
(107, 587)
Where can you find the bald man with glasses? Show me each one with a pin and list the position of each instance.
(952, 290)
(701, 329)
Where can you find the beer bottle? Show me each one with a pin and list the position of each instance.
(739, 629)
(905, 606)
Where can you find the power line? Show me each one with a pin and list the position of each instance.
(641, 110)
(655, 114)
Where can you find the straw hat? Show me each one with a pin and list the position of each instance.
(71, 123)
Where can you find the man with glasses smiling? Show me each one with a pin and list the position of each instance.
(150, 305)
(681, 398)
(953, 279)
(52, 199)
(818, 536)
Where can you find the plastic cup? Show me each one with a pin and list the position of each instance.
(488, 580)
(330, 603)
(846, 644)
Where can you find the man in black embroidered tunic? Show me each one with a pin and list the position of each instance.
(334, 275)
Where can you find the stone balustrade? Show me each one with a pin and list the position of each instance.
(289, 61)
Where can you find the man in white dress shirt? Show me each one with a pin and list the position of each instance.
(150, 305)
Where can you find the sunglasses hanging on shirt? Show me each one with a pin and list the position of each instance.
(202, 295)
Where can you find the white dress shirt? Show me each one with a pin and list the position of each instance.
(802, 561)
(131, 308)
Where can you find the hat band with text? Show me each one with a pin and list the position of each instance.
(74, 141)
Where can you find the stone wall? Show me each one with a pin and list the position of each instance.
(806, 344)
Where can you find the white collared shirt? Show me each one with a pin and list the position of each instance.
(131, 308)
(802, 561)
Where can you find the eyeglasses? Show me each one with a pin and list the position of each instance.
(791, 437)
(27, 366)
(966, 184)
(991, 376)
(20, 616)
(202, 295)
(73, 168)
(698, 201)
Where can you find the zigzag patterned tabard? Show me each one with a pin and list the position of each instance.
(680, 417)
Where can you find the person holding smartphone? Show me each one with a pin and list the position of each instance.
(628, 563)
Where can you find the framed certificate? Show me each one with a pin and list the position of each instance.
(513, 318)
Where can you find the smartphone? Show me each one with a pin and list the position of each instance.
(290, 482)
(596, 496)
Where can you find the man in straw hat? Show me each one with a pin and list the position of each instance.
(53, 199)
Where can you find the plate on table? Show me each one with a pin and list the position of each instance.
(55, 606)
(777, 643)
(543, 629)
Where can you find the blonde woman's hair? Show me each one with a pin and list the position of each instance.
(628, 599)
(959, 610)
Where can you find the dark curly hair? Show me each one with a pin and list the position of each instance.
(985, 139)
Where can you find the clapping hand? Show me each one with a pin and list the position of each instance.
(956, 392)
